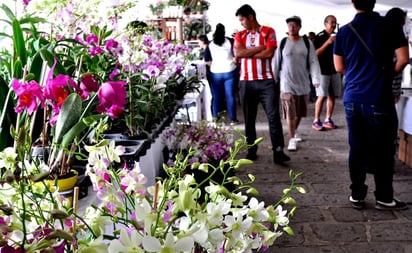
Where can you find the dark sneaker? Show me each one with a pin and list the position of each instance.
(329, 124)
(251, 156)
(357, 204)
(280, 157)
(317, 125)
(396, 204)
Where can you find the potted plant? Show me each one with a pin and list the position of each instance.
(178, 212)
(153, 67)
(182, 213)
(58, 83)
(157, 8)
(171, 215)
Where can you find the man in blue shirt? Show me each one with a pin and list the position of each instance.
(363, 51)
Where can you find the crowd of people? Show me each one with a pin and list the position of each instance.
(368, 54)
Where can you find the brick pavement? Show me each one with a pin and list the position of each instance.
(324, 220)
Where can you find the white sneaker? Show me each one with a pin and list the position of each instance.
(293, 145)
(297, 137)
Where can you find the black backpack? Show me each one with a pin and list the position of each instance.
(282, 45)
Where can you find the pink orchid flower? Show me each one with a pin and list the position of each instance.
(92, 39)
(112, 97)
(56, 91)
(88, 85)
(111, 44)
(29, 94)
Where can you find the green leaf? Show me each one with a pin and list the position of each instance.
(39, 44)
(5, 35)
(49, 57)
(36, 67)
(18, 69)
(29, 77)
(8, 12)
(32, 20)
(69, 115)
(78, 128)
(19, 43)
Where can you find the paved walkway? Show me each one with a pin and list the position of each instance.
(324, 220)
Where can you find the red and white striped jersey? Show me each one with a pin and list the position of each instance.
(255, 68)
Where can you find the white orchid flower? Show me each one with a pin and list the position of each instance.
(236, 225)
(170, 245)
(239, 199)
(257, 210)
(134, 180)
(281, 218)
(7, 191)
(8, 158)
(126, 243)
(216, 211)
(97, 245)
(189, 226)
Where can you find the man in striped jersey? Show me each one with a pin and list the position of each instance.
(255, 47)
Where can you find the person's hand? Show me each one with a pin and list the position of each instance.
(316, 85)
(331, 39)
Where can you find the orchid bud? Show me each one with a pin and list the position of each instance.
(59, 214)
(6, 209)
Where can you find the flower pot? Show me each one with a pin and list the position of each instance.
(134, 149)
(66, 183)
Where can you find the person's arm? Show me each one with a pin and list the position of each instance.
(314, 66)
(268, 52)
(207, 56)
(339, 63)
(325, 45)
(242, 52)
(402, 58)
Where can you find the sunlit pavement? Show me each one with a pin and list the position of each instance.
(324, 220)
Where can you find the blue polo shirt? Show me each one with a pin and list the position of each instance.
(368, 78)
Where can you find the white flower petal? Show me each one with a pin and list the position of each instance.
(184, 245)
(151, 244)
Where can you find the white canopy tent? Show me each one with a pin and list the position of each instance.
(275, 12)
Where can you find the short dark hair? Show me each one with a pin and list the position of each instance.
(327, 18)
(396, 16)
(364, 5)
(246, 10)
(203, 38)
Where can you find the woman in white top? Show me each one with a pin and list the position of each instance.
(219, 55)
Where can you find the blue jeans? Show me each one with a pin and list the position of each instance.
(223, 87)
(372, 148)
(266, 92)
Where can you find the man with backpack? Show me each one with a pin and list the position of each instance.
(295, 63)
